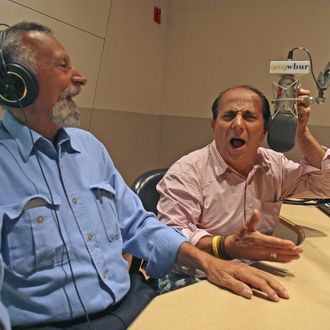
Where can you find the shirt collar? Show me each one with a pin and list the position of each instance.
(67, 143)
(21, 134)
(220, 165)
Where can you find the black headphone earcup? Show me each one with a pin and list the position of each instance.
(18, 86)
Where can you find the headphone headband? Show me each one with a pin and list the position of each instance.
(3, 66)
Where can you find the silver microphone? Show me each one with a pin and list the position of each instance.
(283, 124)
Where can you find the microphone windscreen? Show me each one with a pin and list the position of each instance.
(282, 131)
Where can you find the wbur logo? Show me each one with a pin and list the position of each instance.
(289, 67)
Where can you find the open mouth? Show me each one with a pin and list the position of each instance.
(236, 142)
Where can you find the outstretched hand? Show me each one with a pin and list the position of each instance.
(249, 243)
(237, 277)
(241, 278)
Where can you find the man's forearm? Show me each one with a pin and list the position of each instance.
(205, 244)
(190, 256)
(311, 148)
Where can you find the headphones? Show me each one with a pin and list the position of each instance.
(18, 84)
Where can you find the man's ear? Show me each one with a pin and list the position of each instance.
(265, 129)
(213, 123)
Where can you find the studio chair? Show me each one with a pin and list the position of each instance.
(145, 187)
(286, 229)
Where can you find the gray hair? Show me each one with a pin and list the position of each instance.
(13, 48)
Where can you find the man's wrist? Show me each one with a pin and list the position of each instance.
(218, 247)
(303, 133)
(229, 247)
(192, 257)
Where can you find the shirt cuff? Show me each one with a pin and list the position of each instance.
(4, 318)
(163, 256)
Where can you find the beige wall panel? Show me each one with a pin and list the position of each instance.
(212, 45)
(132, 140)
(132, 64)
(87, 59)
(88, 15)
(184, 5)
(181, 135)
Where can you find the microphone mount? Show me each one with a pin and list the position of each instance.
(322, 82)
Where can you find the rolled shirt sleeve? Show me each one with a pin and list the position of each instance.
(304, 180)
(143, 234)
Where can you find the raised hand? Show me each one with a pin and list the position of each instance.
(304, 111)
(249, 243)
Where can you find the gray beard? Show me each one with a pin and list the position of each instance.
(65, 114)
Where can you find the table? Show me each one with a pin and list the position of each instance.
(205, 306)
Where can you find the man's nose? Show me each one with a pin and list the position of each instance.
(238, 121)
(78, 78)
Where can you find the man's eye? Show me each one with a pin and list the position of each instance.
(228, 116)
(64, 65)
(249, 116)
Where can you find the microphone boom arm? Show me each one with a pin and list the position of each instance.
(323, 82)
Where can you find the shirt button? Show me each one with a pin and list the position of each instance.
(74, 200)
(90, 237)
(40, 219)
(104, 274)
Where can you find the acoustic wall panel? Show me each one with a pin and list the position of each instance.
(87, 15)
(84, 48)
(212, 45)
(132, 63)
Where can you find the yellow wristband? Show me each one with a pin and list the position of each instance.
(215, 245)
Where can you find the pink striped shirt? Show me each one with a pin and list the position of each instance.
(202, 195)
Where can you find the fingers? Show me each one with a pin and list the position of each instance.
(227, 275)
(249, 243)
(284, 254)
(303, 109)
(241, 278)
(258, 246)
(258, 280)
(279, 256)
(275, 249)
(265, 283)
(283, 258)
(239, 287)
(303, 92)
(251, 224)
(273, 242)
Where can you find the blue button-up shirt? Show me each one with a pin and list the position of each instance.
(4, 318)
(89, 207)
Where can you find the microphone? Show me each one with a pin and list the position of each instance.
(282, 127)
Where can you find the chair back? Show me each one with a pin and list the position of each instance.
(145, 187)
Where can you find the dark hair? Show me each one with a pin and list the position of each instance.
(14, 50)
(265, 104)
